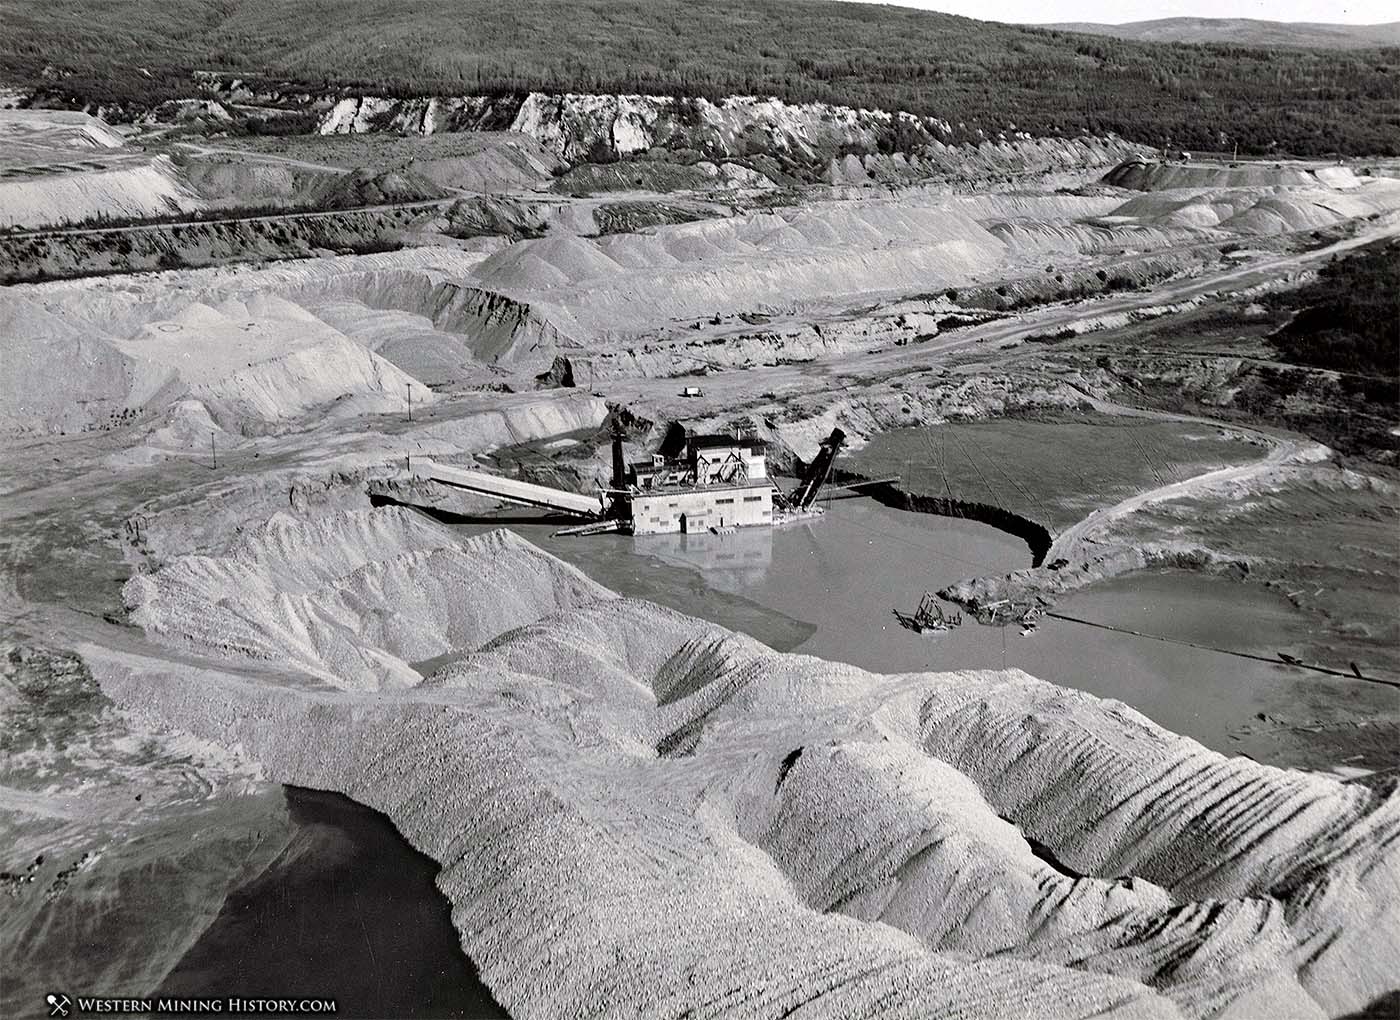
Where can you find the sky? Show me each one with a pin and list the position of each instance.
(1116, 12)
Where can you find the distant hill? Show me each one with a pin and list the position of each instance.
(981, 77)
(1246, 32)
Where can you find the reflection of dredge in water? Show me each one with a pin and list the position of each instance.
(929, 618)
(733, 563)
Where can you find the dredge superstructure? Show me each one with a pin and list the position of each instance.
(715, 482)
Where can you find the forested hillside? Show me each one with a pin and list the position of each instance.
(1348, 319)
(985, 75)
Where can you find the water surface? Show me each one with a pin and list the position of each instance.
(828, 588)
(348, 911)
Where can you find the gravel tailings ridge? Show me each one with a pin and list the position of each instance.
(308, 593)
(154, 188)
(638, 812)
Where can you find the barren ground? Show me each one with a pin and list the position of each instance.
(632, 808)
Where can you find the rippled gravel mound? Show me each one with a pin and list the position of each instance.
(639, 812)
(354, 597)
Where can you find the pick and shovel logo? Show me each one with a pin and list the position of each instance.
(59, 1005)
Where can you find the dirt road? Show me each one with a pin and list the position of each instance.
(259, 157)
(1284, 450)
(723, 389)
(202, 221)
(1173, 292)
(730, 389)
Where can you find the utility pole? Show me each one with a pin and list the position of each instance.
(213, 449)
(410, 400)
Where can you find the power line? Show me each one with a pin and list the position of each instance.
(1356, 675)
(1015, 483)
(996, 496)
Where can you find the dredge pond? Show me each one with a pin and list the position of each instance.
(349, 911)
(828, 588)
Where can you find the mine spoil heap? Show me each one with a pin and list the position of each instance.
(637, 811)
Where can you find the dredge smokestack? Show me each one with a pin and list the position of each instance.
(619, 474)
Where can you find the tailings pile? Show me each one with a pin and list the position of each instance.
(708, 824)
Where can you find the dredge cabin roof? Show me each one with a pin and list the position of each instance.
(713, 489)
(721, 441)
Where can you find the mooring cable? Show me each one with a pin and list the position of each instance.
(1356, 675)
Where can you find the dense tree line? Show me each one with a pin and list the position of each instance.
(1348, 319)
(985, 76)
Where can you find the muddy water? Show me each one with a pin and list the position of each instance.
(828, 588)
(348, 911)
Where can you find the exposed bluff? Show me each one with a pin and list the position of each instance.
(581, 128)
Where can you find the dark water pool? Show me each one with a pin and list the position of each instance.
(347, 911)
